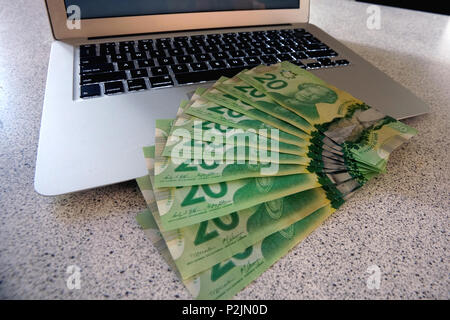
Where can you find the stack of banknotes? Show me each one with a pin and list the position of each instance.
(251, 166)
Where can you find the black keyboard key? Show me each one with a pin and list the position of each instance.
(139, 73)
(180, 68)
(229, 41)
(159, 71)
(107, 49)
(273, 43)
(252, 61)
(126, 49)
(284, 49)
(214, 41)
(270, 59)
(269, 50)
(93, 60)
(258, 44)
(313, 40)
(229, 35)
(114, 87)
(145, 41)
(213, 36)
(157, 53)
(184, 59)
(162, 81)
(163, 40)
(144, 46)
(199, 66)
(235, 62)
(209, 75)
(218, 64)
(326, 62)
(321, 54)
(243, 45)
(97, 68)
(220, 55)
(314, 65)
(91, 90)
(179, 44)
(291, 44)
(146, 63)
(237, 53)
(227, 47)
(342, 62)
(211, 49)
(198, 43)
(176, 52)
(163, 45)
(202, 57)
(198, 37)
(284, 57)
(253, 52)
(244, 33)
(119, 57)
(102, 77)
(136, 84)
(88, 51)
(315, 47)
(139, 56)
(193, 50)
(165, 61)
(300, 55)
(126, 65)
(126, 43)
(244, 39)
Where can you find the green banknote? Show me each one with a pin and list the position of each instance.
(187, 172)
(248, 94)
(175, 172)
(183, 206)
(241, 108)
(228, 277)
(333, 112)
(183, 147)
(210, 111)
(198, 247)
(312, 143)
(188, 126)
(225, 279)
(203, 130)
(194, 129)
(269, 162)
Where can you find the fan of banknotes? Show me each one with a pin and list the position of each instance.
(251, 166)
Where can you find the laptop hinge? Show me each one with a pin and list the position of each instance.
(186, 31)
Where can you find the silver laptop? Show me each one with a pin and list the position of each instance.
(116, 66)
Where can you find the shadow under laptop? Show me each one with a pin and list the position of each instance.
(121, 199)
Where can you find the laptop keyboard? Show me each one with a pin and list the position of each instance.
(122, 67)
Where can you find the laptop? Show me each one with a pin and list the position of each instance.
(116, 66)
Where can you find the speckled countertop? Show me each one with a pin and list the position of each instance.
(399, 221)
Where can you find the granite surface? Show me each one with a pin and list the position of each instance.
(399, 221)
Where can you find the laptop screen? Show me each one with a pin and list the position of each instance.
(122, 8)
